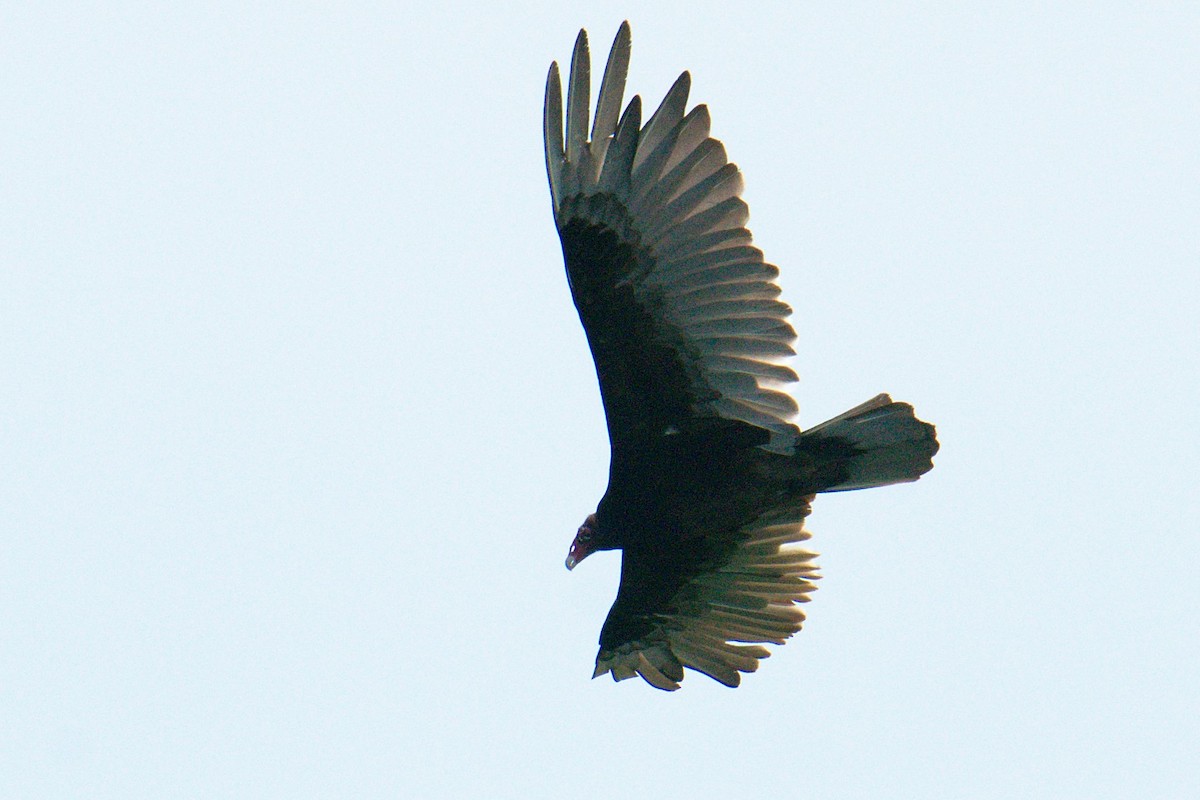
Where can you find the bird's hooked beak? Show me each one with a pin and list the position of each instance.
(583, 546)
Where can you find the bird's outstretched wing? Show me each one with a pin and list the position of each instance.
(681, 312)
(710, 610)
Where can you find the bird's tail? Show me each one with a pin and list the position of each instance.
(875, 444)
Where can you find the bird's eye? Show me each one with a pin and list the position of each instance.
(585, 535)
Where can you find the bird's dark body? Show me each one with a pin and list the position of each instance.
(713, 477)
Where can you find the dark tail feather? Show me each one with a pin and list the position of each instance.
(875, 444)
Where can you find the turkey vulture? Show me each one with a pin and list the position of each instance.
(709, 480)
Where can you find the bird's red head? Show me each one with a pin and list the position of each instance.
(585, 542)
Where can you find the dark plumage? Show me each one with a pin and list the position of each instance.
(709, 480)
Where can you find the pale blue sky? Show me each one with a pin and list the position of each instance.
(297, 420)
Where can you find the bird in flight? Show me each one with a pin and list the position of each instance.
(709, 479)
